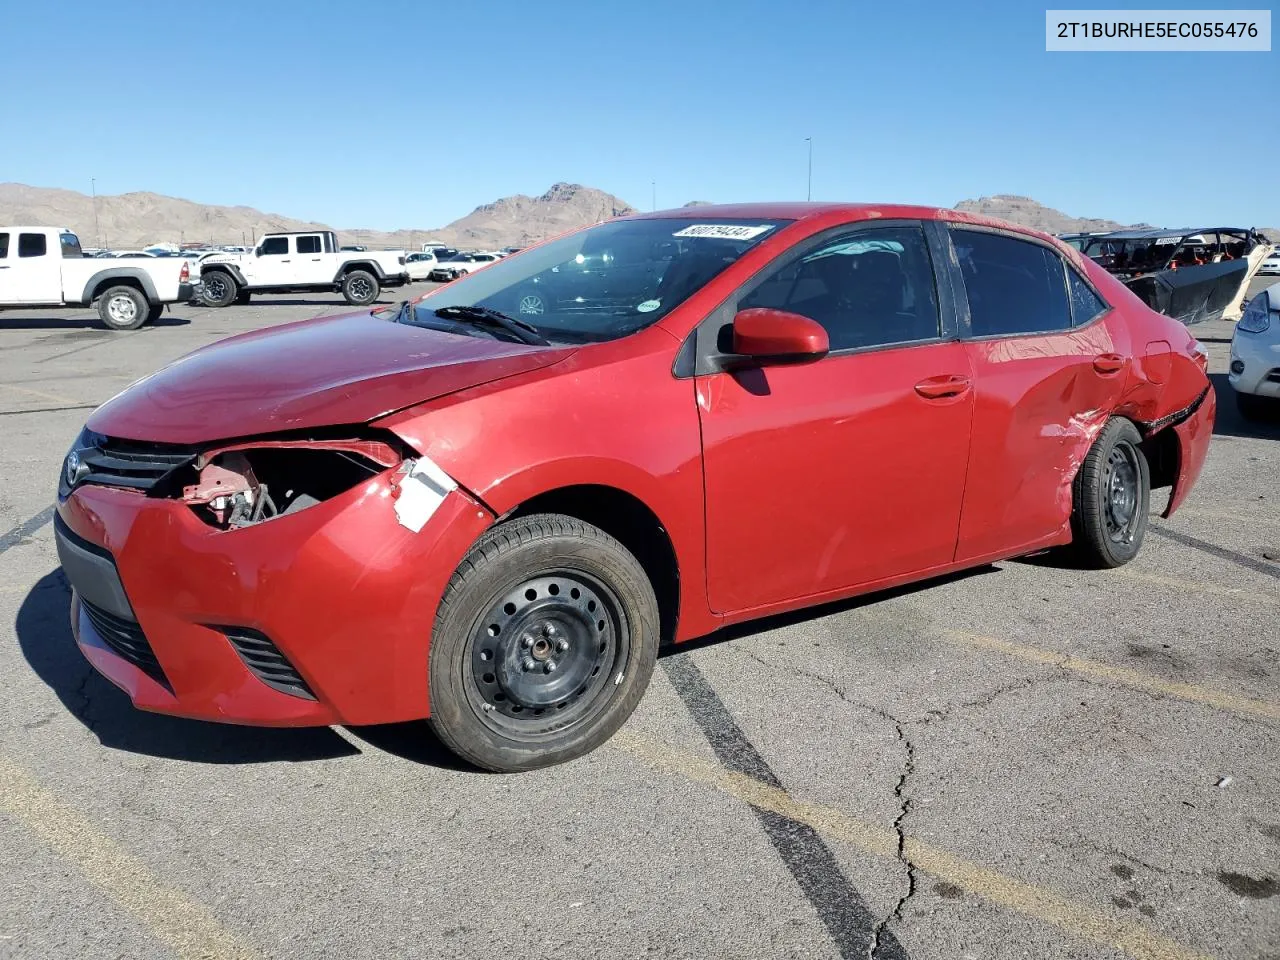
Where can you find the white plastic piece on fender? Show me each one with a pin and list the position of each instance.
(421, 492)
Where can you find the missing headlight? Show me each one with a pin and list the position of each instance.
(246, 485)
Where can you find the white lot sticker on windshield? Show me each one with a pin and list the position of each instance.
(723, 231)
(648, 306)
(1162, 241)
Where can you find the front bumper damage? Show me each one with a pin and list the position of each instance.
(313, 617)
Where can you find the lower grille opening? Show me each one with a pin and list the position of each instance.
(266, 662)
(125, 639)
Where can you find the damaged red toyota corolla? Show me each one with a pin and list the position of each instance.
(490, 506)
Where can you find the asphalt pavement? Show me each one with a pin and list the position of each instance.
(1024, 761)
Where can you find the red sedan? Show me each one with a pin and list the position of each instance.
(490, 506)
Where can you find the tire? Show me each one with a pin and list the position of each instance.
(243, 297)
(219, 290)
(1253, 407)
(123, 308)
(360, 288)
(1111, 495)
(532, 303)
(543, 644)
(155, 312)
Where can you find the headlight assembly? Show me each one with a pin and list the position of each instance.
(1257, 318)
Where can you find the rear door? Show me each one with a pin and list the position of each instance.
(849, 470)
(1049, 360)
(310, 265)
(8, 278)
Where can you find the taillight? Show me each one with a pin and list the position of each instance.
(1200, 354)
(185, 273)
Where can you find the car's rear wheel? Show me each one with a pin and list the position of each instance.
(360, 287)
(543, 644)
(1111, 497)
(219, 289)
(155, 312)
(123, 308)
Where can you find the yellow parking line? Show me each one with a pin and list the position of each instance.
(1196, 586)
(1024, 898)
(56, 398)
(180, 923)
(1130, 678)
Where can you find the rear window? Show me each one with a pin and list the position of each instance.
(32, 245)
(1014, 286)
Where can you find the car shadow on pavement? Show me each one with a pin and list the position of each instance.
(1229, 423)
(44, 636)
(780, 620)
(266, 300)
(8, 320)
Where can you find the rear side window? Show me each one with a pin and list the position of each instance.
(1013, 286)
(1085, 304)
(275, 246)
(32, 245)
(868, 288)
(4, 245)
(308, 244)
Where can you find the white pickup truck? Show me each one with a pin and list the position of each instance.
(287, 262)
(44, 267)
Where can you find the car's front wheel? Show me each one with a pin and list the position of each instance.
(123, 308)
(218, 289)
(1111, 497)
(360, 287)
(543, 644)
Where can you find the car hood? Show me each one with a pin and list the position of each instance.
(339, 370)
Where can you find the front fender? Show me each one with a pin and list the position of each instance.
(230, 268)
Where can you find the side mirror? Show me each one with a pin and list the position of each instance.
(768, 336)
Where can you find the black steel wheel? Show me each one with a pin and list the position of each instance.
(360, 287)
(1111, 497)
(544, 642)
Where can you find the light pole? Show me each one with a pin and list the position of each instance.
(97, 233)
(808, 194)
(653, 185)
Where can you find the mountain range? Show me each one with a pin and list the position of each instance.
(132, 220)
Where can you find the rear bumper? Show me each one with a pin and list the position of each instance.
(1193, 447)
(189, 291)
(341, 592)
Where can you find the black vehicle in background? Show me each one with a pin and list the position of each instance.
(1191, 274)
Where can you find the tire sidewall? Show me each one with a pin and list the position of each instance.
(141, 308)
(449, 663)
(350, 278)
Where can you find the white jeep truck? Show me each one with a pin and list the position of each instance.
(287, 262)
(44, 267)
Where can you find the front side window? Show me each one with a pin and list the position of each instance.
(32, 245)
(1085, 304)
(308, 244)
(868, 288)
(275, 246)
(1014, 286)
(604, 282)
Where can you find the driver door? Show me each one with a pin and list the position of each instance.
(274, 264)
(850, 470)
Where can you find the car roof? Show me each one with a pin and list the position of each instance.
(802, 210)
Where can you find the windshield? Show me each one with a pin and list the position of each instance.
(607, 281)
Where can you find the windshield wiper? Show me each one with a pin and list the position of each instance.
(484, 317)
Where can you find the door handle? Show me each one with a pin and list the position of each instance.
(286, 260)
(947, 385)
(315, 259)
(1108, 363)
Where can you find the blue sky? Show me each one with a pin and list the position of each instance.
(388, 114)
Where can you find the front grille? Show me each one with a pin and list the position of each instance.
(131, 463)
(125, 639)
(266, 662)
